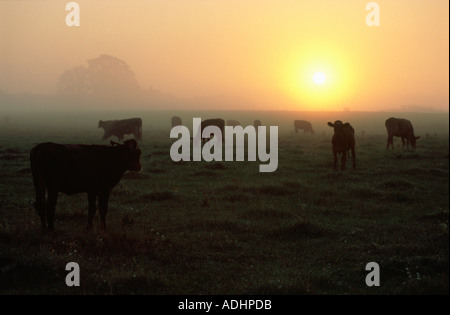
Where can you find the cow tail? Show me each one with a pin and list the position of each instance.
(38, 182)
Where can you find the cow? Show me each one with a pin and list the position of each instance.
(119, 128)
(343, 141)
(233, 123)
(218, 122)
(303, 125)
(73, 169)
(256, 124)
(175, 121)
(400, 127)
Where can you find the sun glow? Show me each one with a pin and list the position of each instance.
(319, 78)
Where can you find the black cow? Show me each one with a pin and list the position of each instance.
(256, 124)
(303, 125)
(72, 169)
(233, 123)
(400, 127)
(175, 121)
(218, 122)
(343, 141)
(119, 128)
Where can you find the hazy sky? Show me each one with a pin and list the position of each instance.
(262, 52)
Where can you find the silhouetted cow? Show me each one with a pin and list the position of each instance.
(343, 141)
(400, 127)
(175, 121)
(233, 123)
(303, 125)
(256, 124)
(119, 128)
(72, 169)
(218, 122)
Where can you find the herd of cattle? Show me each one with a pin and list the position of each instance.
(97, 169)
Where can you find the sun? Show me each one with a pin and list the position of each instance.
(319, 77)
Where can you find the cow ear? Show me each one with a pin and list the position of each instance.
(417, 137)
(330, 124)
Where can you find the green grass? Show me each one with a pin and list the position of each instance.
(225, 228)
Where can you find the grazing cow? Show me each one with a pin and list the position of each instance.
(176, 121)
(399, 127)
(233, 123)
(343, 141)
(119, 128)
(303, 125)
(218, 122)
(72, 169)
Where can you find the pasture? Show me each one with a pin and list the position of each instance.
(223, 227)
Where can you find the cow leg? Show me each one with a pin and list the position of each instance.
(103, 208)
(354, 158)
(335, 160)
(40, 206)
(92, 197)
(390, 142)
(51, 204)
(343, 160)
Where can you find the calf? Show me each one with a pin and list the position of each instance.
(343, 141)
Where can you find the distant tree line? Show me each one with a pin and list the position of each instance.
(103, 77)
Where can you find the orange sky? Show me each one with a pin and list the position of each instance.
(262, 54)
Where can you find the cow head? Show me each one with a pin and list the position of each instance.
(337, 125)
(413, 141)
(131, 154)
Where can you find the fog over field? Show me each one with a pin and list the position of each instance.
(308, 225)
(227, 55)
(371, 123)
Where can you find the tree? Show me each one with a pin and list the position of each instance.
(105, 76)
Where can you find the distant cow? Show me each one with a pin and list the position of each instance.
(72, 169)
(233, 123)
(399, 127)
(119, 128)
(303, 125)
(256, 124)
(343, 141)
(218, 122)
(175, 121)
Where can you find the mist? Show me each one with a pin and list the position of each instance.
(224, 56)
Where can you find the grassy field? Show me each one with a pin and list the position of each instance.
(225, 228)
